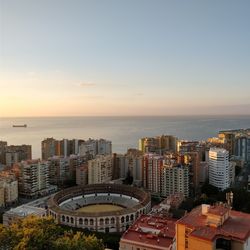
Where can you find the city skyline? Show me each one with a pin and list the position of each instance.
(124, 58)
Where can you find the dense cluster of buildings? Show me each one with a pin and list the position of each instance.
(205, 227)
(14, 153)
(163, 165)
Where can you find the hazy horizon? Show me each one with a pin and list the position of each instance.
(124, 58)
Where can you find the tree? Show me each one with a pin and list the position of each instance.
(34, 233)
(209, 189)
(77, 241)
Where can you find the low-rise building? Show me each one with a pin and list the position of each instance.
(171, 202)
(149, 233)
(213, 227)
(21, 212)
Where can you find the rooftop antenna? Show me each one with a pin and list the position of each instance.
(229, 198)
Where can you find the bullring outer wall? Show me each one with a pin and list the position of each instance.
(117, 221)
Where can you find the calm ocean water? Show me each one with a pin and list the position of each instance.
(124, 132)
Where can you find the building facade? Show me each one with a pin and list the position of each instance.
(175, 179)
(100, 169)
(63, 169)
(149, 233)
(8, 189)
(242, 147)
(152, 172)
(82, 174)
(33, 177)
(158, 144)
(213, 227)
(91, 148)
(17, 153)
(219, 169)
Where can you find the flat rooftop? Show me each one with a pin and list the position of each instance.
(152, 231)
(25, 210)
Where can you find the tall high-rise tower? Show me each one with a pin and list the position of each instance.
(219, 168)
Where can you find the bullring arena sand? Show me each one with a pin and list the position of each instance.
(97, 208)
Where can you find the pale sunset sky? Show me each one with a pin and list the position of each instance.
(128, 57)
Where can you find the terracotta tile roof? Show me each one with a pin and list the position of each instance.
(237, 226)
(218, 210)
(153, 231)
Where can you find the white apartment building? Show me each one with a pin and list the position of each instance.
(100, 169)
(219, 169)
(175, 179)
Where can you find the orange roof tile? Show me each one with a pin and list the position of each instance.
(237, 226)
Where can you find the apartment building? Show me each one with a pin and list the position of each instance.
(8, 189)
(100, 169)
(175, 179)
(63, 169)
(152, 172)
(91, 148)
(65, 147)
(158, 144)
(82, 174)
(219, 168)
(33, 177)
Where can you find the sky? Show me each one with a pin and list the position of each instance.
(133, 57)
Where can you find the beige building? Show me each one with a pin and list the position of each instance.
(158, 144)
(50, 147)
(33, 177)
(152, 171)
(175, 179)
(17, 153)
(8, 189)
(100, 169)
(92, 147)
(213, 227)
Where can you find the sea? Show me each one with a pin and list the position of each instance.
(123, 131)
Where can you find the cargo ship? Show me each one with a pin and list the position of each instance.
(20, 126)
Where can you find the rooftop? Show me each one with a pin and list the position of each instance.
(218, 150)
(25, 210)
(152, 231)
(236, 226)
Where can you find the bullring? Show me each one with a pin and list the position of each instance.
(83, 206)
